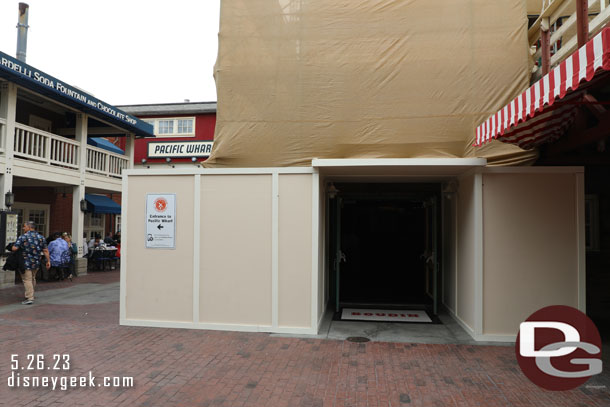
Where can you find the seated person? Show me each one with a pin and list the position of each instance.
(95, 242)
(59, 252)
(109, 240)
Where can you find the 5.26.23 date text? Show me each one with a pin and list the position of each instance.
(36, 361)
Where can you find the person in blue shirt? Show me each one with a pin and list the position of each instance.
(32, 245)
(70, 256)
(59, 253)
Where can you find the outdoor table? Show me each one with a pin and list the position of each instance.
(101, 256)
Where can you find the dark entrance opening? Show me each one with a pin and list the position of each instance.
(383, 240)
(597, 245)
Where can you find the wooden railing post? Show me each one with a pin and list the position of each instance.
(47, 148)
(582, 22)
(545, 45)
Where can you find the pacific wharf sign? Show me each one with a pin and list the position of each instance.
(179, 149)
(14, 69)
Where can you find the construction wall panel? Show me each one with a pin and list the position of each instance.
(295, 259)
(235, 250)
(531, 246)
(159, 282)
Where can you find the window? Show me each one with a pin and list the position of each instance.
(94, 225)
(117, 223)
(166, 127)
(185, 126)
(37, 213)
(39, 217)
(173, 127)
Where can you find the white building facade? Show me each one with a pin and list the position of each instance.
(48, 133)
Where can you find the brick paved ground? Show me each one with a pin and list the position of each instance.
(173, 367)
(15, 294)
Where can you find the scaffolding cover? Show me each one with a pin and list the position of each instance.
(534, 7)
(303, 79)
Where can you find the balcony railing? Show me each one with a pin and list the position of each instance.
(37, 145)
(564, 26)
(102, 162)
(44, 147)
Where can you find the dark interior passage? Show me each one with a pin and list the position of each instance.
(385, 233)
(383, 242)
(597, 243)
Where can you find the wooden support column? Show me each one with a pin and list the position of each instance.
(8, 111)
(545, 45)
(130, 144)
(78, 191)
(582, 22)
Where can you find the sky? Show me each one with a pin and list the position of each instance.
(122, 51)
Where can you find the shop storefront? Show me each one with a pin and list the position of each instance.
(55, 150)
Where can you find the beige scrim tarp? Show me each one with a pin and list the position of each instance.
(534, 7)
(303, 79)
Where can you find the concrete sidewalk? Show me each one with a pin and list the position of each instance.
(173, 367)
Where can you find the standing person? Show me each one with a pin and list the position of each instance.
(73, 249)
(32, 244)
(85, 245)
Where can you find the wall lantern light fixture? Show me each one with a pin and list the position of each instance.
(9, 199)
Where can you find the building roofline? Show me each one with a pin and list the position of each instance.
(41, 83)
(152, 109)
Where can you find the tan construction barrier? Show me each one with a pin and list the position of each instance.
(377, 79)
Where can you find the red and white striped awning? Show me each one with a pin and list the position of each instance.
(544, 111)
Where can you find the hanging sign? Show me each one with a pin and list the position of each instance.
(160, 221)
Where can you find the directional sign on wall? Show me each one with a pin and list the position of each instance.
(160, 221)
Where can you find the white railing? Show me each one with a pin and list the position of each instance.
(41, 146)
(559, 18)
(37, 145)
(102, 162)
